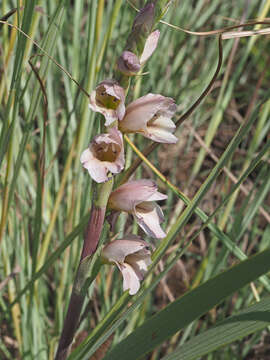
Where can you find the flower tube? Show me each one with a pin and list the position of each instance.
(138, 198)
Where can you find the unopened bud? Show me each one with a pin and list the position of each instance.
(145, 18)
(128, 63)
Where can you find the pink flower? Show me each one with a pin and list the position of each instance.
(109, 99)
(105, 153)
(150, 115)
(137, 198)
(132, 257)
(129, 64)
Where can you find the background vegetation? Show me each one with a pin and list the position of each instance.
(46, 195)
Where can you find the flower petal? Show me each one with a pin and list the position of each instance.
(161, 128)
(96, 169)
(132, 256)
(140, 263)
(157, 196)
(108, 98)
(161, 136)
(131, 281)
(109, 114)
(105, 153)
(117, 250)
(150, 46)
(150, 115)
(140, 111)
(86, 156)
(149, 216)
(131, 193)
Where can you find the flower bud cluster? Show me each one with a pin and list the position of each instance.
(130, 64)
(150, 116)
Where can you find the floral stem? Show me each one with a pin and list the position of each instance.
(87, 268)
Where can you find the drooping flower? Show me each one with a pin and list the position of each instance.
(108, 99)
(104, 154)
(129, 63)
(138, 198)
(132, 257)
(150, 115)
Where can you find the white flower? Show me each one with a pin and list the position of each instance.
(104, 154)
(109, 99)
(138, 198)
(132, 257)
(150, 115)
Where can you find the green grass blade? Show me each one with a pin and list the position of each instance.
(55, 255)
(246, 322)
(189, 307)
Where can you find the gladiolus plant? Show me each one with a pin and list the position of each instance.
(104, 158)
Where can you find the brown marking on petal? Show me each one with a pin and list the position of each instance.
(106, 100)
(114, 150)
(151, 122)
(99, 149)
(144, 207)
(106, 152)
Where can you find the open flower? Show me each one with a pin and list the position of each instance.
(129, 64)
(109, 99)
(132, 257)
(105, 153)
(150, 115)
(138, 198)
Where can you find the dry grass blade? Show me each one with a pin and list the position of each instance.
(240, 34)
